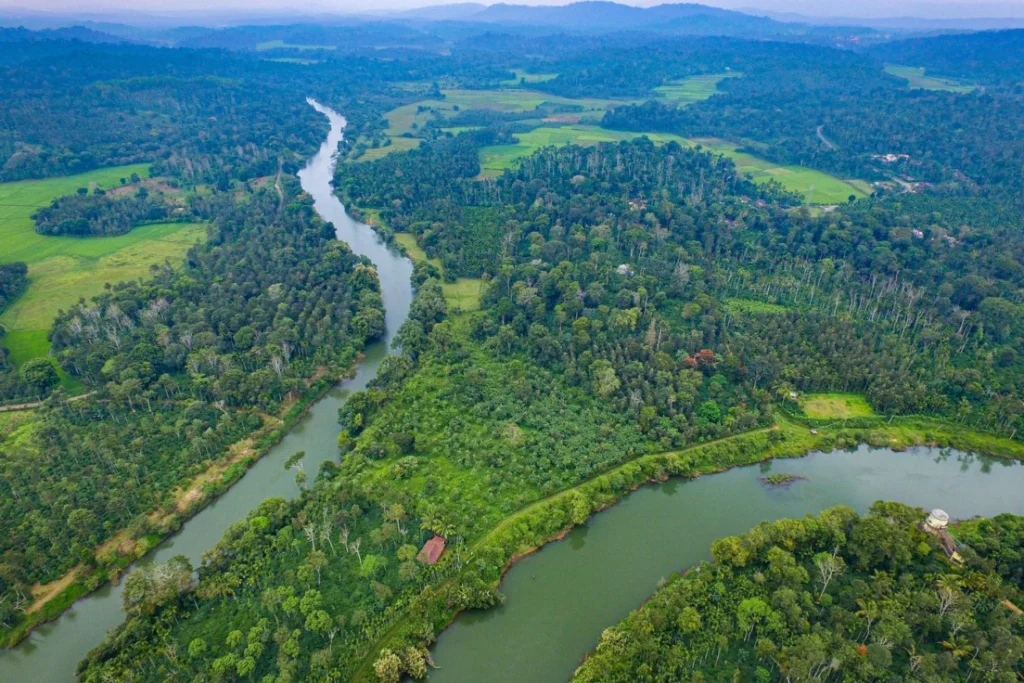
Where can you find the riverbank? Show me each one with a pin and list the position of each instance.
(539, 523)
(58, 596)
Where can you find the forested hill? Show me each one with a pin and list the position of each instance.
(837, 597)
(990, 57)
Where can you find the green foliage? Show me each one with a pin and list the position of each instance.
(782, 605)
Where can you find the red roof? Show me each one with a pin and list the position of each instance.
(431, 551)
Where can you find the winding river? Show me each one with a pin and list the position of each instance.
(51, 653)
(561, 598)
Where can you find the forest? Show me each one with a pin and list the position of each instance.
(833, 597)
(645, 311)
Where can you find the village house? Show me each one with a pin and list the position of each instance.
(431, 551)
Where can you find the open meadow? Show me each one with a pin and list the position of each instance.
(63, 269)
(817, 187)
(918, 79)
(839, 406)
(694, 88)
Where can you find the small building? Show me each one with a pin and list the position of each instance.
(624, 269)
(431, 551)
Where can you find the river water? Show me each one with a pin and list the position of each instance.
(560, 599)
(53, 650)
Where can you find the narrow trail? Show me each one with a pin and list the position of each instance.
(277, 186)
(35, 404)
(825, 140)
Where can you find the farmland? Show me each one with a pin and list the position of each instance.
(694, 88)
(522, 76)
(64, 269)
(918, 79)
(280, 44)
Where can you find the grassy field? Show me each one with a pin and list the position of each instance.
(63, 269)
(816, 187)
(522, 76)
(694, 88)
(465, 292)
(409, 118)
(918, 79)
(496, 158)
(275, 44)
(827, 406)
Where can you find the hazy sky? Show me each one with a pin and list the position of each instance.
(850, 8)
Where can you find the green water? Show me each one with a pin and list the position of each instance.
(560, 599)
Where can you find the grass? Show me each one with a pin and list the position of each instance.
(841, 406)
(753, 306)
(694, 88)
(465, 292)
(278, 44)
(496, 158)
(64, 269)
(817, 187)
(410, 118)
(918, 80)
(522, 76)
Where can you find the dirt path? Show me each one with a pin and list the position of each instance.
(825, 140)
(36, 404)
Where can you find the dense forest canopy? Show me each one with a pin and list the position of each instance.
(838, 597)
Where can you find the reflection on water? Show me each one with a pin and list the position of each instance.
(561, 598)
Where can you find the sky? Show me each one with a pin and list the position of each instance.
(939, 9)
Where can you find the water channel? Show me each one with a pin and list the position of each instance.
(561, 598)
(51, 653)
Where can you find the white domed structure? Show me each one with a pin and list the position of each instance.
(937, 519)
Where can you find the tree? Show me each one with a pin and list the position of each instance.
(39, 375)
(388, 667)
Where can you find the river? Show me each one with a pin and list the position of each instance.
(560, 599)
(51, 653)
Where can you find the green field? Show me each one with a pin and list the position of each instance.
(408, 119)
(64, 269)
(496, 158)
(522, 76)
(694, 88)
(276, 44)
(465, 292)
(828, 406)
(918, 79)
(817, 187)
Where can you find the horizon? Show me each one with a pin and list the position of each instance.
(936, 10)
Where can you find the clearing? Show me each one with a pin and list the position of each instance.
(404, 122)
(918, 79)
(694, 88)
(280, 44)
(465, 292)
(827, 406)
(817, 187)
(524, 77)
(736, 305)
(63, 269)
(496, 158)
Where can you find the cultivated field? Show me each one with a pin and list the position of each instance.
(694, 88)
(918, 79)
(64, 269)
(826, 406)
